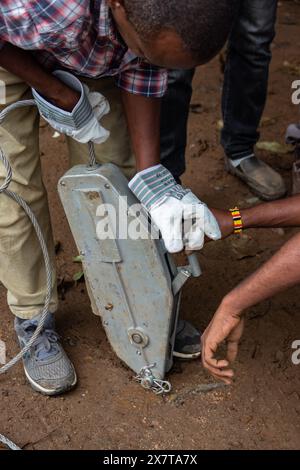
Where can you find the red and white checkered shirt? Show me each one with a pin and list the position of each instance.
(78, 35)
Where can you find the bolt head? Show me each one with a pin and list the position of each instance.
(136, 338)
(147, 382)
(109, 307)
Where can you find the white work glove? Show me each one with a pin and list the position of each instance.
(82, 123)
(181, 217)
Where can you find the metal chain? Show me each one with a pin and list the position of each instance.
(148, 381)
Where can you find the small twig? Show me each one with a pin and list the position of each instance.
(202, 388)
(42, 438)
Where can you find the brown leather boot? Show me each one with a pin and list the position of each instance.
(265, 182)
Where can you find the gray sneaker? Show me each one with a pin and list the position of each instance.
(187, 342)
(46, 364)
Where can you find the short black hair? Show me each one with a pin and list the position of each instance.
(203, 25)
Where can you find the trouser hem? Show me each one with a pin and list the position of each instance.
(28, 314)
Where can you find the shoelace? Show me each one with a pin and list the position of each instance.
(45, 346)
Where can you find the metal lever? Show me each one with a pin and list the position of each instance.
(194, 265)
(185, 272)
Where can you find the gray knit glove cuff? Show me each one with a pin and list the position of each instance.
(154, 185)
(78, 117)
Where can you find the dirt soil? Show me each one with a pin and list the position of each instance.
(108, 410)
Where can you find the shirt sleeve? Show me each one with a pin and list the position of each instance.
(145, 80)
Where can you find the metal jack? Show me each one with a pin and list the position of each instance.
(134, 285)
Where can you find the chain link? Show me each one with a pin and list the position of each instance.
(147, 380)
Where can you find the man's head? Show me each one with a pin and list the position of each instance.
(174, 33)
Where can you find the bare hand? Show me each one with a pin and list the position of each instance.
(228, 326)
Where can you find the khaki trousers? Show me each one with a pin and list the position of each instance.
(22, 269)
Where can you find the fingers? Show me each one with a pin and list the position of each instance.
(194, 239)
(211, 227)
(218, 369)
(198, 222)
(92, 131)
(232, 350)
(227, 381)
(99, 104)
(215, 365)
(233, 341)
(226, 375)
(172, 236)
(193, 228)
(169, 222)
(189, 219)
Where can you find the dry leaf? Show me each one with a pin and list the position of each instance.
(275, 147)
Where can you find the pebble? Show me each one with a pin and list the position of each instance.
(56, 135)
(252, 200)
(67, 439)
(279, 231)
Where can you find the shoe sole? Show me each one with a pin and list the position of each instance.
(186, 356)
(265, 197)
(49, 392)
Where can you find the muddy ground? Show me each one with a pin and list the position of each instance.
(108, 410)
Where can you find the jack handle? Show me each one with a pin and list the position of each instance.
(194, 265)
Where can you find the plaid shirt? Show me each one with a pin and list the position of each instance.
(78, 35)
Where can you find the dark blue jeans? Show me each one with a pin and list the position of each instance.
(244, 90)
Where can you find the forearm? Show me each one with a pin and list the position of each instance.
(143, 119)
(279, 273)
(23, 64)
(282, 213)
